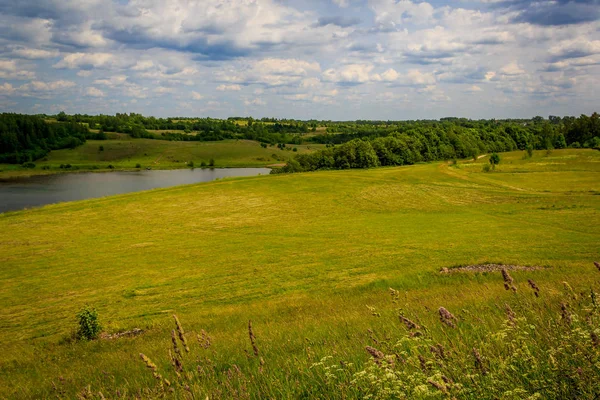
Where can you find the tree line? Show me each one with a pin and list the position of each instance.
(366, 145)
(25, 138)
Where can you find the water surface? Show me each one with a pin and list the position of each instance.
(21, 193)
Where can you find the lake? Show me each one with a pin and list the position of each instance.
(36, 191)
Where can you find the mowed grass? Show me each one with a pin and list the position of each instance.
(126, 153)
(302, 255)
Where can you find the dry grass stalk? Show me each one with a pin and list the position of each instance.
(597, 264)
(181, 333)
(377, 355)
(151, 366)
(536, 289)
(408, 323)
(595, 339)
(174, 341)
(508, 281)
(510, 314)
(565, 313)
(479, 361)
(252, 338)
(204, 339)
(423, 363)
(438, 350)
(438, 386)
(446, 317)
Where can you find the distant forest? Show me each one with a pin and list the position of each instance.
(357, 144)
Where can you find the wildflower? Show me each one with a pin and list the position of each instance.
(252, 338)
(181, 334)
(536, 289)
(508, 281)
(446, 317)
(479, 361)
(565, 313)
(377, 355)
(409, 324)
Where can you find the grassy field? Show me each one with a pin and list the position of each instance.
(307, 257)
(126, 153)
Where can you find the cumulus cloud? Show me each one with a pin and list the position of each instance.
(224, 88)
(94, 92)
(265, 55)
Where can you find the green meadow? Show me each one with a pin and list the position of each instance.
(127, 153)
(309, 258)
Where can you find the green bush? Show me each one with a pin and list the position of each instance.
(28, 165)
(487, 167)
(89, 326)
(138, 166)
(211, 163)
(191, 164)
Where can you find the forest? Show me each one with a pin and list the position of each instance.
(357, 144)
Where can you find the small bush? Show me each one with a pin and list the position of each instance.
(101, 148)
(28, 165)
(487, 168)
(295, 149)
(211, 163)
(110, 166)
(191, 164)
(138, 166)
(89, 326)
(45, 167)
(203, 164)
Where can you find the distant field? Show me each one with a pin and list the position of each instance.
(126, 153)
(301, 255)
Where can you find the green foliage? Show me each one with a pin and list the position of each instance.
(486, 168)
(28, 165)
(89, 325)
(529, 150)
(191, 164)
(101, 148)
(138, 165)
(28, 138)
(494, 160)
(211, 162)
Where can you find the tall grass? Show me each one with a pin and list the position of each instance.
(543, 345)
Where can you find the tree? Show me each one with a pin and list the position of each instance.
(494, 160)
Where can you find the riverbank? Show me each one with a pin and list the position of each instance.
(126, 154)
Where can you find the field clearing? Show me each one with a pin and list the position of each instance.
(302, 255)
(126, 153)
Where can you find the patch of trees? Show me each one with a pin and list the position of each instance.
(26, 138)
(365, 145)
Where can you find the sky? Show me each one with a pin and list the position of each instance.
(321, 59)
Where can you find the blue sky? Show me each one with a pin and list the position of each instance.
(326, 59)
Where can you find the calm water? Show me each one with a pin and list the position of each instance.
(41, 190)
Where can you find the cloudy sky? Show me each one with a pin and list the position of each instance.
(325, 59)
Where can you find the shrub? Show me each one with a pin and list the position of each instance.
(191, 164)
(138, 166)
(28, 165)
(203, 164)
(110, 166)
(494, 160)
(295, 149)
(45, 167)
(211, 163)
(101, 148)
(529, 150)
(487, 168)
(89, 326)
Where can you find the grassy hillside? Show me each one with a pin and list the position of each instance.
(301, 255)
(126, 153)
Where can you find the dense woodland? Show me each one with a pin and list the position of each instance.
(358, 144)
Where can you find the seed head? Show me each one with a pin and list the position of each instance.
(536, 289)
(446, 317)
(409, 324)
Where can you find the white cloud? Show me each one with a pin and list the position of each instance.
(34, 54)
(85, 60)
(94, 92)
(6, 89)
(225, 88)
(512, 69)
(39, 86)
(353, 74)
(197, 96)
